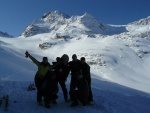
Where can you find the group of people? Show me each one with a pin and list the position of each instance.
(49, 76)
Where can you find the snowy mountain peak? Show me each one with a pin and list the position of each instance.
(86, 15)
(145, 21)
(56, 22)
(4, 34)
(54, 15)
(62, 25)
(49, 21)
(91, 23)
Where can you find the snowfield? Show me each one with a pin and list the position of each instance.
(17, 72)
(119, 56)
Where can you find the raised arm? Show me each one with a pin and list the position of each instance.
(32, 58)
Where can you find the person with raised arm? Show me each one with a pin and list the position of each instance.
(39, 79)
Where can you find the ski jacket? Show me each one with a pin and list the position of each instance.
(62, 71)
(74, 67)
(85, 68)
(42, 68)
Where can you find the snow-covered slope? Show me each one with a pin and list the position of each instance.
(107, 63)
(140, 28)
(144, 21)
(118, 55)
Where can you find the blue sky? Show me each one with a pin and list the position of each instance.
(16, 15)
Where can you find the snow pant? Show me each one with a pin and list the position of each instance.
(64, 89)
(48, 96)
(39, 83)
(78, 96)
(73, 85)
(90, 97)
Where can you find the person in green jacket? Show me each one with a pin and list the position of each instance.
(43, 68)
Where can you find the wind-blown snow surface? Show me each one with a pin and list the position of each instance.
(120, 78)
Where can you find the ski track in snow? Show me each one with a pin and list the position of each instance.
(105, 101)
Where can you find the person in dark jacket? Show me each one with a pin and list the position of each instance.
(58, 59)
(82, 92)
(62, 71)
(43, 68)
(50, 88)
(86, 74)
(74, 67)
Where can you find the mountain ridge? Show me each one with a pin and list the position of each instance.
(5, 34)
(52, 21)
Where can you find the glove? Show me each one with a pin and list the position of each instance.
(27, 54)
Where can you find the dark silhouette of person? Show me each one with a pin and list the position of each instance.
(82, 92)
(85, 68)
(39, 79)
(74, 67)
(62, 71)
(50, 89)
